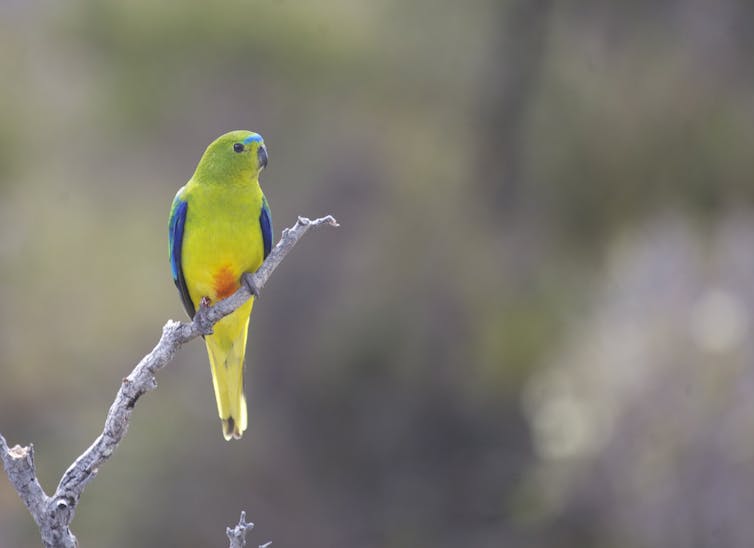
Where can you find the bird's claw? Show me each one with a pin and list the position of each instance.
(251, 285)
(205, 326)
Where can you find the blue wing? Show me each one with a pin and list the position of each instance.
(175, 237)
(265, 222)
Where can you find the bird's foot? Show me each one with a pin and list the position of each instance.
(205, 326)
(248, 280)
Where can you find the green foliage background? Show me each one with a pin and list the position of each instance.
(533, 328)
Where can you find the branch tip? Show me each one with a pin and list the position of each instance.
(327, 219)
(17, 452)
(237, 534)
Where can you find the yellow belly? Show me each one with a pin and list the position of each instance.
(222, 240)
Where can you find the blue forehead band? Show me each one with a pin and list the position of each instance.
(253, 138)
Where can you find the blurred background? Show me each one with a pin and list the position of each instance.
(534, 328)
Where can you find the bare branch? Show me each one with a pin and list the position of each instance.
(54, 514)
(19, 464)
(237, 535)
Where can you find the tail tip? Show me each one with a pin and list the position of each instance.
(231, 429)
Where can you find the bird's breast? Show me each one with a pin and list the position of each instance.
(220, 244)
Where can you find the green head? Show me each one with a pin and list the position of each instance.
(236, 156)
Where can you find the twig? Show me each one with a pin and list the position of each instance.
(237, 535)
(53, 514)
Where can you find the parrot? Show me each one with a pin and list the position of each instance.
(220, 228)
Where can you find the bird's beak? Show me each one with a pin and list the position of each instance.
(262, 156)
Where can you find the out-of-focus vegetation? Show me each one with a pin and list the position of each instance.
(534, 327)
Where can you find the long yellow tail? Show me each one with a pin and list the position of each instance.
(226, 348)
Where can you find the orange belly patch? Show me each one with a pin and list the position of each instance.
(226, 283)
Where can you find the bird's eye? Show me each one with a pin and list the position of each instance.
(238, 147)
